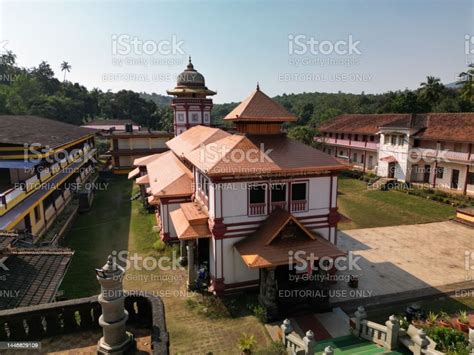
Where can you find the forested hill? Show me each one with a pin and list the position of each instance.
(36, 91)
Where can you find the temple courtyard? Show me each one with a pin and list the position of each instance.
(402, 262)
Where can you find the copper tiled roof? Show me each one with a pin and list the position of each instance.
(259, 107)
(267, 247)
(218, 158)
(260, 155)
(193, 138)
(168, 177)
(143, 180)
(134, 173)
(143, 161)
(361, 123)
(190, 222)
(449, 127)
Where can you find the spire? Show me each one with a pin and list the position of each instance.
(190, 65)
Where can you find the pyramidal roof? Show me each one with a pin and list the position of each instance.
(258, 107)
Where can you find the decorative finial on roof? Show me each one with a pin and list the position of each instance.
(190, 65)
(258, 86)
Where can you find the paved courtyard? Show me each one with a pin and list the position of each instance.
(406, 261)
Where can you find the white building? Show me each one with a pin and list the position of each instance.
(434, 148)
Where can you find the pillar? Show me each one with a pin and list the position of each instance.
(393, 328)
(115, 338)
(191, 268)
(309, 343)
(183, 258)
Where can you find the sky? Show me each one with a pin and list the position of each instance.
(288, 47)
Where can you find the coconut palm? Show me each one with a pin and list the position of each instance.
(432, 89)
(467, 91)
(65, 67)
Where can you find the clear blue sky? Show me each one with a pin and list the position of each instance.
(237, 43)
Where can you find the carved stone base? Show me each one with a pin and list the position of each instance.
(125, 347)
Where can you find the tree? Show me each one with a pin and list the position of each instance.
(304, 134)
(431, 90)
(467, 91)
(66, 68)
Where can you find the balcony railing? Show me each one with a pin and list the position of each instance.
(299, 205)
(442, 155)
(280, 204)
(348, 143)
(35, 323)
(257, 209)
(11, 197)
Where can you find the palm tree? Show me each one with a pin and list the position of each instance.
(466, 79)
(432, 89)
(65, 67)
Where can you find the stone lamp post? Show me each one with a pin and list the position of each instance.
(115, 339)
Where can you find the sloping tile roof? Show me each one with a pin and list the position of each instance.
(193, 138)
(449, 127)
(168, 177)
(266, 248)
(259, 107)
(134, 173)
(143, 180)
(218, 158)
(260, 155)
(434, 126)
(190, 222)
(361, 123)
(34, 275)
(143, 161)
(19, 130)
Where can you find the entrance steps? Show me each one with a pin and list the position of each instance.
(354, 346)
(335, 322)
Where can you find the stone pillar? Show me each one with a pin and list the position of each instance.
(183, 259)
(191, 267)
(360, 315)
(309, 343)
(115, 338)
(420, 342)
(393, 327)
(268, 293)
(471, 339)
(286, 329)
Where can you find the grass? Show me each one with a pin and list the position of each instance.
(367, 208)
(95, 234)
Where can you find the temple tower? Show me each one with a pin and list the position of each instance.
(191, 105)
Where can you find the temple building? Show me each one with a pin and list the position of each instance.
(240, 204)
(433, 148)
(191, 105)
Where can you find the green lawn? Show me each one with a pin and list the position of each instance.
(367, 208)
(95, 234)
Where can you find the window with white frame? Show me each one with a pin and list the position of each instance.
(180, 117)
(194, 117)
